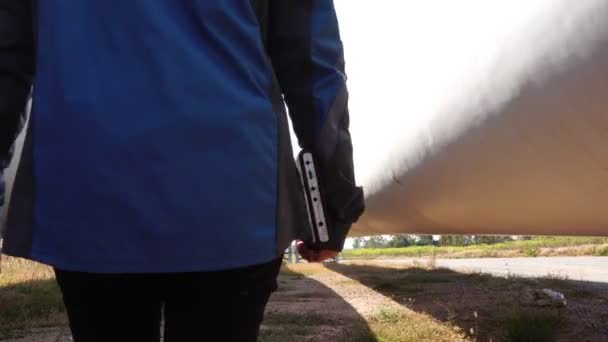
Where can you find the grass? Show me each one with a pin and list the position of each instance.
(532, 326)
(29, 297)
(397, 325)
(286, 326)
(501, 311)
(540, 246)
(531, 251)
(303, 269)
(602, 251)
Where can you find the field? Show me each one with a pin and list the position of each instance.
(545, 246)
(358, 301)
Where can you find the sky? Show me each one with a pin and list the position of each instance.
(409, 61)
(404, 58)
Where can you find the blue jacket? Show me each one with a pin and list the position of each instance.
(158, 139)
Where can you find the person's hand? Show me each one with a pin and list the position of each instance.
(312, 255)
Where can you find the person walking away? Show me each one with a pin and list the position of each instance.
(157, 176)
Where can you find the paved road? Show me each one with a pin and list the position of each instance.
(590, 269)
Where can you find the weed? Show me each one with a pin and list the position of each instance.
(532, 251)
(602, 251)
(387, 316)
(303, 269)
(604, 320)
(396, 325)
(389, 286)
(531, 326)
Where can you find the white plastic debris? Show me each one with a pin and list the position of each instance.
(543, 298)
(557, 298)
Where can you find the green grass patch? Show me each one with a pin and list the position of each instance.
(531, 251)
(387, 316)
(391, 325)
(602, 251)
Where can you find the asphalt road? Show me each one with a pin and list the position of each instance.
(588, 269)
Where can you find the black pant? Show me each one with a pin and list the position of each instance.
(202, 306)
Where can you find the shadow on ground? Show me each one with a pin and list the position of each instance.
(31, 309)
(302, 309)
(354, 302)
(305, 309)
(491, 308)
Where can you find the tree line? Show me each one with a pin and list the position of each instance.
(395, 241)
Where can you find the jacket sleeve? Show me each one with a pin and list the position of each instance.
(307, 54)
(17, 63)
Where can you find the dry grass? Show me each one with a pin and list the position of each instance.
(29, 297)
(16, 271)
(304, 269)
(397, 325)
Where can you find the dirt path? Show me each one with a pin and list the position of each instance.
(58, 334)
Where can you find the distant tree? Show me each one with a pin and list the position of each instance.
(454, 240)
(401, 241)
(492, 239)
(377, 241)
(424, 240)
(357, 242)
